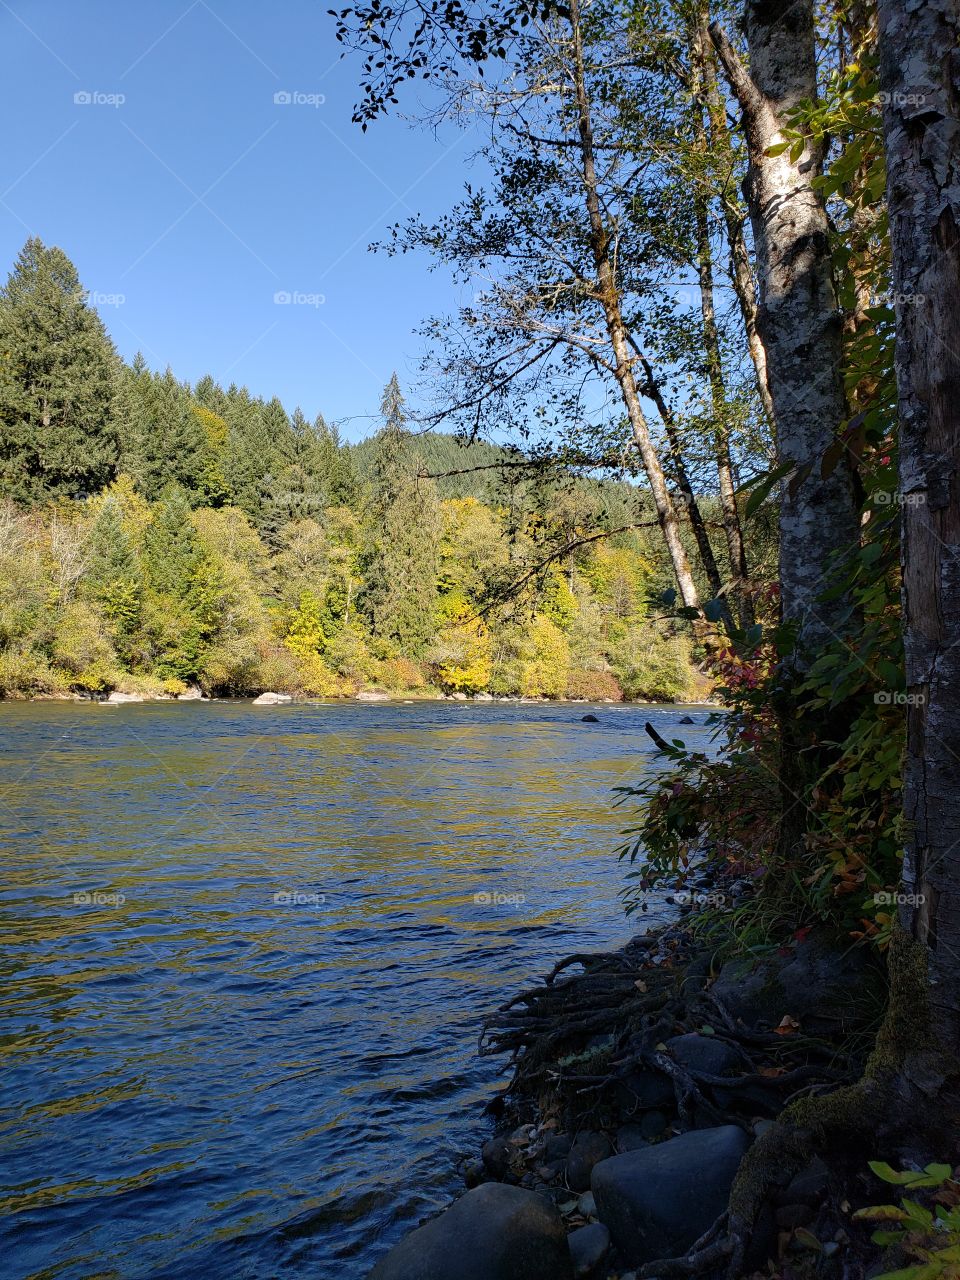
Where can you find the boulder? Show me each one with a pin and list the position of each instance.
(116, 697)
(372, 695)
(270, 699)
(590, 719)
(586, 1205)
(483, 697)
(811, 983)
(494, 1232)
(658, 1201)
(587, 1150)
(703, 1053)
(687, 720)
(589, 1247)
(192, 693)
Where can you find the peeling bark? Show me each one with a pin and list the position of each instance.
(920, 83)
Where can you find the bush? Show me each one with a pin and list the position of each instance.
(594, 686)
(24, 671)
(399, 674)
(652, 665)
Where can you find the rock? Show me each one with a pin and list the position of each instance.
(483, 697)
(458, 697)
(496, 1155)
(494, 1232)
(589, 1247)
(658, 1201)
(556, 1146)
(117, 697)
(192, 693)
(703, 1053)
(808, 1187)
(271, 699)
(630, 1137)
(586, 1205)
(645, 1091)
(687, 720)
(372, 695)
(587, 1150)
(473, 1173)
(812, 984)
(653, 1124)
(590, 719)
(794, 1215)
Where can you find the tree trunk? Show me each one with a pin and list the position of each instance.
(920, 83)
(741, 268)
(617, 330)
(798, 319)
(736, 550)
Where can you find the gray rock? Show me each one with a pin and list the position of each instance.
(645, 1091)
(556, 1146)
(271, 699)
(703, 1053)
(812, 984)
(589, 1247)
(117, 697)
(687, 720)
(494, 1232)
(473, 1173)
(658, 1201)
(372, 695)
(590, 719)
(587, 1150)
(192, 693)
(496, 1153)
(586, 1205)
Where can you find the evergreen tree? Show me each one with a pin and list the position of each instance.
(163, 441)
(58, 373)
(403, 524)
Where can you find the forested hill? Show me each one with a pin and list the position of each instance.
(157, 535)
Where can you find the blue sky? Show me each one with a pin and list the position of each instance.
(188, 198)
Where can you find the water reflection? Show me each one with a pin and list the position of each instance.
(247, 951)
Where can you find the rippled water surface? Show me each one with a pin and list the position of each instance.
(245, 962)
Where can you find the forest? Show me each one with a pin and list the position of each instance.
(158, 537)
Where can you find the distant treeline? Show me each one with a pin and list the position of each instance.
(155, 535)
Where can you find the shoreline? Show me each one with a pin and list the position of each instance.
(119, 698)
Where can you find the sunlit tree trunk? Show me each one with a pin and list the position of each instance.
(798, 318)
(920, 81)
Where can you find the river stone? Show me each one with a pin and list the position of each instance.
(494, 1232)
(192, 693)
(496, 1154)
(687, 720)
(372, 695)
(587, 1150)
(271, 699)
(586, 1205)
(812, 984)
(590, 719)
(658, 1201)
(116, 697)
(589, 1247)
(703, 1053)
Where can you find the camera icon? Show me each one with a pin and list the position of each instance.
(282, 297)
(83, 98)
(483, 899)
(282, 98)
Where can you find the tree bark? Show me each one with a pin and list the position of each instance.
(798, 318)
(920, 84)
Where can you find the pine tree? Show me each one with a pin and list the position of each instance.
(58, 372)
(403, 523)
(163, 440)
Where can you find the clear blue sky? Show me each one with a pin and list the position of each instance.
(198, 198)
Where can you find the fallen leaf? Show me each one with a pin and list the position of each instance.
(787, 1026)
(640, 984)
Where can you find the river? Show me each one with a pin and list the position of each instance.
(246, 952)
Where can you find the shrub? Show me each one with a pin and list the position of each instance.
(594, 686)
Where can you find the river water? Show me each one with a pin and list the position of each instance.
(246, 952)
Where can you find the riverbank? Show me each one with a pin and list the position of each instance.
(646, 1087)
